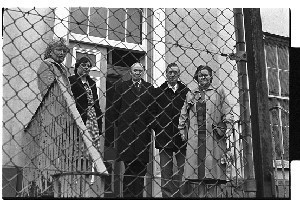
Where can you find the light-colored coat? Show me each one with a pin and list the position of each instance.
(217, 110)
(48, 71)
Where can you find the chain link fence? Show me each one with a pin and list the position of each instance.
(48, 150)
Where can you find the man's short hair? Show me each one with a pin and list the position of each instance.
(171, 65)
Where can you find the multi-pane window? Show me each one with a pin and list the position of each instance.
(118, 24)
(277, 63)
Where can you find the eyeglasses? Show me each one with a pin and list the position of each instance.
(137, 71)
(86, 65)
(203, 75)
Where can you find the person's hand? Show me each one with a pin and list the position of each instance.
(229, 119)
(182, 135)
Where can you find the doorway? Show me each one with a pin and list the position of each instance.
(118, 66)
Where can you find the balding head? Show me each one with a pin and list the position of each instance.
(137, 71)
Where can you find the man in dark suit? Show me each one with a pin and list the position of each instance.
(170, 98)
(132, 99)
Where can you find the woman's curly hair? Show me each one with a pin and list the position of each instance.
(57, 42)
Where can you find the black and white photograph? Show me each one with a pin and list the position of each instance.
(109, 103)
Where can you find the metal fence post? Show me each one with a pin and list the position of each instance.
(260, 120)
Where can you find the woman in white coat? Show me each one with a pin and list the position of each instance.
(202, 123)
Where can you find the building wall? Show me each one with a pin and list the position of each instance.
(198, 31)
(24, 41)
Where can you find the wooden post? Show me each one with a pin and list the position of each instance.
(260, 120)
(245, 106)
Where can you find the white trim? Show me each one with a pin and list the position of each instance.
(159, 53)
(88, 22)
(61, 20)
(278, 71)
(125, 24)
(278, 97)
(144, 28)
(267, 70)
(95, 52)
(279, 164)
(106, 42)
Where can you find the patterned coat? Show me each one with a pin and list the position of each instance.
(217, 110)
(80, 96)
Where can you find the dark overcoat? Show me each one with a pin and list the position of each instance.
(168, 107)
(80, 96)
(131, 111)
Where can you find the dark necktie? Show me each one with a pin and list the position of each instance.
(137, 86)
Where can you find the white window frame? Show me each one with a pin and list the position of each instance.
(108, 42)
(95, 52)
(159, 53)
(278, 163)
(278, 73)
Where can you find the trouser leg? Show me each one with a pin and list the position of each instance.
(166, 165)
(180, 159)
(133, 182)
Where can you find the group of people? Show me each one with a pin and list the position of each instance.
(189, 124)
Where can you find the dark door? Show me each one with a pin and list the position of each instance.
(113, 187)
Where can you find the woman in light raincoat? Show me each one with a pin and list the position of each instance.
(202, 123)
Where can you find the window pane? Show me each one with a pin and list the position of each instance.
(285, 114)
(285, 132)
(116, 24)
(274, 116)
(271, 56)
(79, 20)
(281, 140)
(278, 142)
(284, 82)
(98, 24)
(285, 127)
(283, 57)
(273, 81)
(134, 25)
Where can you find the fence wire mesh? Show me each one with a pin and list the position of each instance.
(62, 138)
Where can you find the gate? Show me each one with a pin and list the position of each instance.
(48, 151)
